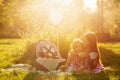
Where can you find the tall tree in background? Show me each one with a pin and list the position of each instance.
(111, 15)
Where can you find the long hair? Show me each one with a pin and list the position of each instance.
(92, 44)
(92, 41)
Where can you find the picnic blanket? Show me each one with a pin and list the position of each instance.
(49, 63)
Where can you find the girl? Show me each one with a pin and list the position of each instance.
(92, 62)
(75, 55)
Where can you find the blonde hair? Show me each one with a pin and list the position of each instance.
(76, 41)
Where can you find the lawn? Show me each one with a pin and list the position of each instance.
(15, 51)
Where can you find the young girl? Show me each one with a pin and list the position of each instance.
(75, 57)
(92, 60)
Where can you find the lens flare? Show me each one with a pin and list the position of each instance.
(90, 5)
(56, 15)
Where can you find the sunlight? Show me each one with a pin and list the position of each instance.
(62, 2)
(68, 2)
(56, 15)
(56, 1)
(56, 10)
(90, 5)
(1, 1)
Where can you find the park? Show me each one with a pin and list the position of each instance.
(26, 23)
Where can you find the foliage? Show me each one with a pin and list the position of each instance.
(30, 19)
(111, 15)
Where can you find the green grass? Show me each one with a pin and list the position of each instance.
(110, 56)
(13, 75)
(18, 51)
(11, 50)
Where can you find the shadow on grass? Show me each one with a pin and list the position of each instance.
(34, 75)
(92, 76)
(111, 59)
(82, 76)
(29, 56)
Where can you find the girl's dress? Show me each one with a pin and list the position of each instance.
(92, 63)
(74, 63)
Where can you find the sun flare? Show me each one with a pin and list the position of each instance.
(90, 5)
(62, 2)
(56, 10)
(56, 15)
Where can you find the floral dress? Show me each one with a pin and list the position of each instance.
(92, 63)
(75, 63)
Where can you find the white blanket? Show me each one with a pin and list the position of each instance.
(50, 64)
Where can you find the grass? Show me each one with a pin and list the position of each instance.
(10, 50)
(14, 51)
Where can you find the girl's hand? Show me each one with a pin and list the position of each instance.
(81, 68)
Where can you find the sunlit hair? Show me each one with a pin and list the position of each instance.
(76, 41)
(92, 43)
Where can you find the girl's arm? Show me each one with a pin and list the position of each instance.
(64, 67)
(69, 58)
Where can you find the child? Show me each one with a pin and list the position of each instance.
(92, 60)
(75, 57)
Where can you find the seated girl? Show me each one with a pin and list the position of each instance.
(75, 58)
(92, 60)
